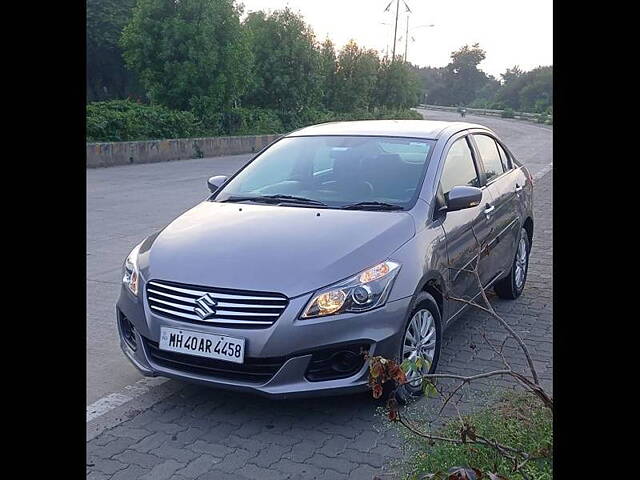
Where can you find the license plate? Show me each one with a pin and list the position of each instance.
(219, 347)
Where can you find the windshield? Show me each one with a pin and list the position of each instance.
(338, 171)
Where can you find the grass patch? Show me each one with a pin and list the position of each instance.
(517, 420)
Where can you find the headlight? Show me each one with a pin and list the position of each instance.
(131, 276)
(364, 291)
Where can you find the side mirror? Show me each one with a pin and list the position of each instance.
(214, 183)
(463, 197)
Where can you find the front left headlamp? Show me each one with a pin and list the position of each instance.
(131, 275)
(367, 290)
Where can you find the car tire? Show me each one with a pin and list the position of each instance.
(511, 286)
(423, 303)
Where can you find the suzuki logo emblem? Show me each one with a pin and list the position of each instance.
(205, 306)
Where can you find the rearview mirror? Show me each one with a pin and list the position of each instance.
(214, 183)
(463, 197)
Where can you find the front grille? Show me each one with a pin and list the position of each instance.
(258, 370)
(233, 308)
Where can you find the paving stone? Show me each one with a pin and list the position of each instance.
(132, 457)
(235, 461)
(149, 443)
(297, 469)
(130, 432)
(215, 449)
(182, 455)
(163, 471)
(199, 466)
(364, 472)
(118, 445)
(132, 472)
(269, 455)
(334, 446)
(107, 466)
(258, 473)
(301, 452)
(338, 464)
(170, 428)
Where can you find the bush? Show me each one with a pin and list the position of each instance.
(542, 118)
(250, 121)
(507, 113)
(124, 120)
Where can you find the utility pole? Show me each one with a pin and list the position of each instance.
(395, 31)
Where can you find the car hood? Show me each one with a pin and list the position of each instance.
(289, 250)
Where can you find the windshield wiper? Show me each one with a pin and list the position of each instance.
(296, 199)
(275, 199)
(372, 206)
(246, 199)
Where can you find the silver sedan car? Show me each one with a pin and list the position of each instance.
(335, 240)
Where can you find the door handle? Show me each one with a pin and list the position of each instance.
(489, 209)
(518, 188)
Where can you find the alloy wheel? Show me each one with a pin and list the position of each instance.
(521, 263)
(419, 341)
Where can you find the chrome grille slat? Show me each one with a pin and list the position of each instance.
(199, 293)
(215, 320)
(220, 304)
(242, 309)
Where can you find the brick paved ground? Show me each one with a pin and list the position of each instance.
(208, 434)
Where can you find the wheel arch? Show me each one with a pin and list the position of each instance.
(433, 283)
(528, 226)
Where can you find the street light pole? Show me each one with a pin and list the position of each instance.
(406, 41)
(395, 31)
(407, 35)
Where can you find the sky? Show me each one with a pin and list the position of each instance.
(512, 32)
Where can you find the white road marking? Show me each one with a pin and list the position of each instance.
(541, 173)
(128, 393)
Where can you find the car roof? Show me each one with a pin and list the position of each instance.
(428, 129)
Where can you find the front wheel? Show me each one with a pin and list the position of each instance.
(511, 286)
(422, 338)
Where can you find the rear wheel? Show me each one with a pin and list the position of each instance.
(511, 286)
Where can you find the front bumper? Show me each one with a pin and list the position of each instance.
(292, 340)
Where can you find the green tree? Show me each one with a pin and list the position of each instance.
(287, 62)
(530, 91)
(328, 68)
(107, 77)
(398, 85)
(188, 54)
(356, 78)
(464, 79)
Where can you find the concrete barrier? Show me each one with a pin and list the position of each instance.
(532, 117)
(151, 151)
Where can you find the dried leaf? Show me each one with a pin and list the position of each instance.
(393, 415)
(377, 391)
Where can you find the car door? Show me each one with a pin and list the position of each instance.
(463, 227)
(503, 215)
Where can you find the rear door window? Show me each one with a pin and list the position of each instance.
(504, 156)
(488, 149)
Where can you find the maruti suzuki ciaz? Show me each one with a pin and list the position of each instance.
(335, 240)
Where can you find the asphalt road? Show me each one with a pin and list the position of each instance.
(125, 204)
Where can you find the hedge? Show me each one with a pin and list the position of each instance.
(125, 120)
